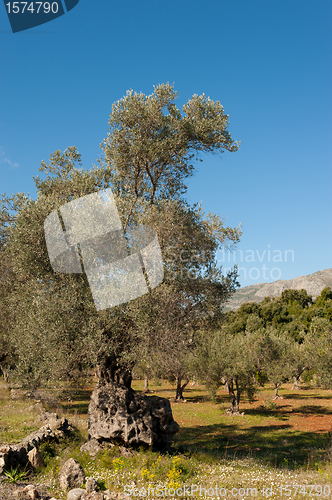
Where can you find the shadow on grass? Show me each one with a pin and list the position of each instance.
(78, 403)
(276, 445)
(303, 395)
(199, 398)
(313, 410)
(281, 412)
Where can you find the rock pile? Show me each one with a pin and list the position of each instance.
(72, 476)
(26, 452)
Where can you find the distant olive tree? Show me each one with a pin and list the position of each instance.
(319, 349)
(235, 359)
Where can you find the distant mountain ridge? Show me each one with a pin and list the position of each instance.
(312, 283)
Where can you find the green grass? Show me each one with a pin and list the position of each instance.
(279, 443)
(268, 431)
(16, 419)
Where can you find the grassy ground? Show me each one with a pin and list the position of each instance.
(17, 417)
(274, 444)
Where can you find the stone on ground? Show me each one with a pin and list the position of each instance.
(75, 494)
(71, 475)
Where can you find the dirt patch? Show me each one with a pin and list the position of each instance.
(305, 411)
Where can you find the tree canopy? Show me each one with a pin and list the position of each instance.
(149, 152)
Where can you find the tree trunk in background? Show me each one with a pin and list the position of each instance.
(296, 380)
(234, 397)
(277, 386)
(5, 374)
(180, 388)
(146, 385)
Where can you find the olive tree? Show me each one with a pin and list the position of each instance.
(234, 359)
(319, 349)
(148, 154)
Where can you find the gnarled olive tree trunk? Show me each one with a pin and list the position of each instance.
(119, 415)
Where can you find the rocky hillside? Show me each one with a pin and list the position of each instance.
(313, 284)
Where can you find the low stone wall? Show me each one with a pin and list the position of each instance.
(26, 452)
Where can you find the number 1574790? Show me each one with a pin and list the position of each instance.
(32, 7)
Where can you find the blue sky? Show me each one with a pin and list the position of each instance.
(267, 61)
